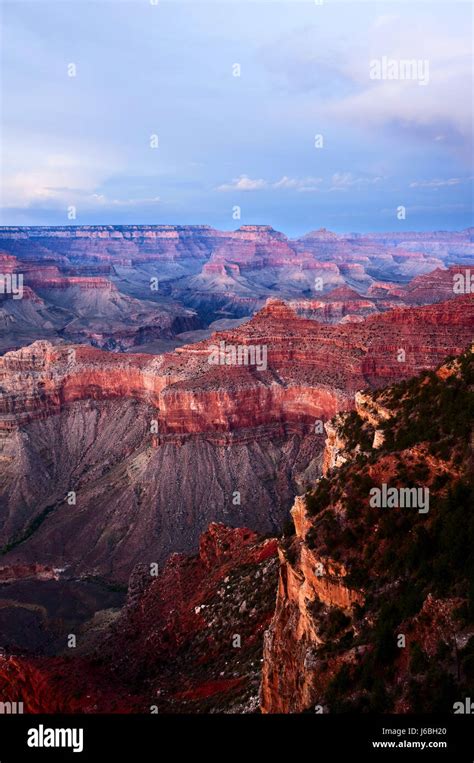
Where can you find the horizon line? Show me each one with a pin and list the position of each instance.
(248, 227)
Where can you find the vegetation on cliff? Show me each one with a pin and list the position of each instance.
(413, 638)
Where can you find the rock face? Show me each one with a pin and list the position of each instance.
(341, 303)
(191, 636)
(164, 445)
(311, 372)
(369, 596)
(334, 448)
(438, 285)
(309, 583)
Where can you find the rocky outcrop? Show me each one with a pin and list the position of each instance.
(334, 447)
(192, 638)
(310, 586)
(87, 309)
(364, 602)
(437, 286)
(338, 304)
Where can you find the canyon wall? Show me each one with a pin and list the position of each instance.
(153, 448)
(369, 598)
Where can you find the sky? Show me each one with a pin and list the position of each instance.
(229, 113)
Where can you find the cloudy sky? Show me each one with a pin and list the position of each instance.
(155, 126)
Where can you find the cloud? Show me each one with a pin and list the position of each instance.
(436, 183)
(304, 185)
(337, 74)
(34, 176)
(26, 190)
(398, 104)
(339, 181)
(444, 105)
(100, 198)
(56, 180)
(342, 181)
(85, 141)
(244, 183)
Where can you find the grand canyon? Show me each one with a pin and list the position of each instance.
(236, 379)
(183, 535)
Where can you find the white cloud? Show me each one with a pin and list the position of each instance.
(436, 183)
(338, 76)
(441, 107)
(58, 184)
(399, 103)
(244, 183)
(60, 179)
(302, 185)
(342, 181)
(32, 176)
(105, 201)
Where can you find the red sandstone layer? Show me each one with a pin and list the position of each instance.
(312, 370)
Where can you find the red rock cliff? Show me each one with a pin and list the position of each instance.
(310, 370)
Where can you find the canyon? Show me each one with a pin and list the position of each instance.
(167, 444)
(349, 583)
(145, 489)
(154, 288)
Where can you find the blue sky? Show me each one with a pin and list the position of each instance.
(223, 140)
